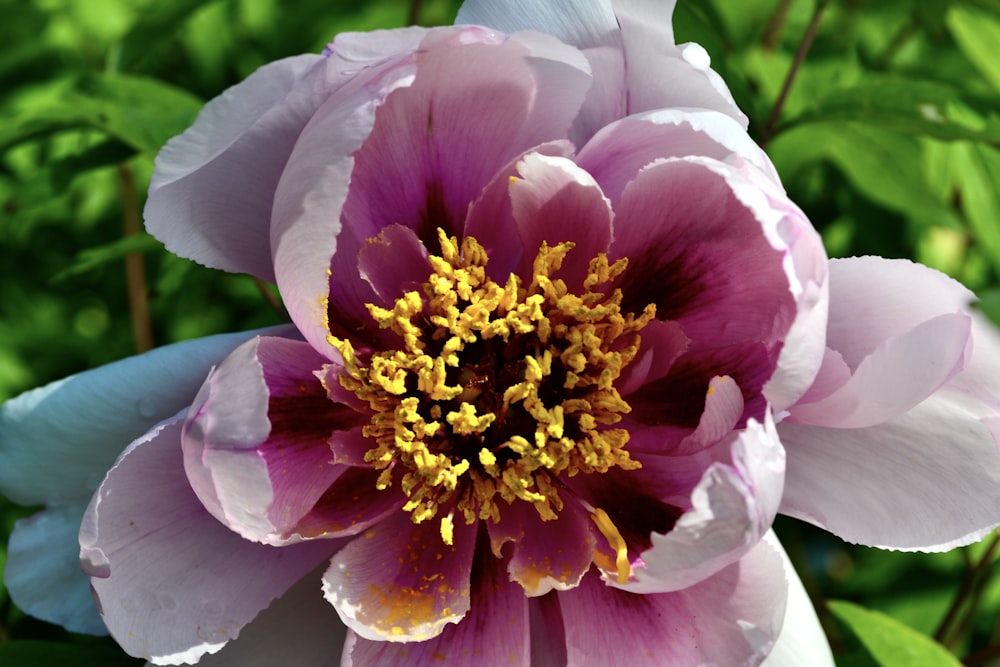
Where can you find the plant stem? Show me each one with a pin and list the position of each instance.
(968, 588)
(269, 296)
(414, 18)
(800, 56)
(135, 265)
(772, 31)
(906, 32)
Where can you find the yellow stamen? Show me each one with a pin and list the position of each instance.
(615, 541)
(497, 390)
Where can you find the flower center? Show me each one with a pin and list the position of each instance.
(497, 390)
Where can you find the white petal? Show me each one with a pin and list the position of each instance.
(928, 480)
(802, 640)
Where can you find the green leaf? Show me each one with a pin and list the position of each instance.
(889, 642)
(91, 258)
(160, 21)
(911, 106)
(884, 167)
(24, 653)
(138, 111)
(977, 34)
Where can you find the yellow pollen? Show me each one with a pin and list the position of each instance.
(497, 390)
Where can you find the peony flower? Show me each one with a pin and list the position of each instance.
(555, 325)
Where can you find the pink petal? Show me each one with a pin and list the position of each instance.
(299, 629)
(926, 480)
(400, 582)
(212, 192)
(495, 631)
(662, 343)
(897, 375)
(731, 508)
(731, 618)
(490, 218)
(173, 583)
(86, 420)
(255, 440)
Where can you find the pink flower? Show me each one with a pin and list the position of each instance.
(549, 302)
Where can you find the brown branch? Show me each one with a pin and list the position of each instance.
(414, 18)
(772, 31)
(800, 57)
(135, 265)
(967, 589)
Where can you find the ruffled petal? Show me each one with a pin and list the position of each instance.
(732, 507)
(703, 246)
(43, 574)
(86, 420)
(802, 640)
(555, 563)
(621, 149)
(731, 618)
(256, 441)
(305, 218)
(172, 583)
(895, 485)
(299, 629)
(400, 582)
(495, 631)
(424, 162)
(554, 201)
(872, 300)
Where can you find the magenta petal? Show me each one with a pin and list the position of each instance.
(400, 582)
(393, 263)
(731, 618)
(662, 343)
(555, 563)
(173, 583)
(705, 250)
(255, 440)
(495, 631)
(731, 508)
(555, 201)
(305, 219)
(424, 162)
(490, 218)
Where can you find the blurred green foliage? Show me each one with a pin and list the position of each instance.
(888, 138)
